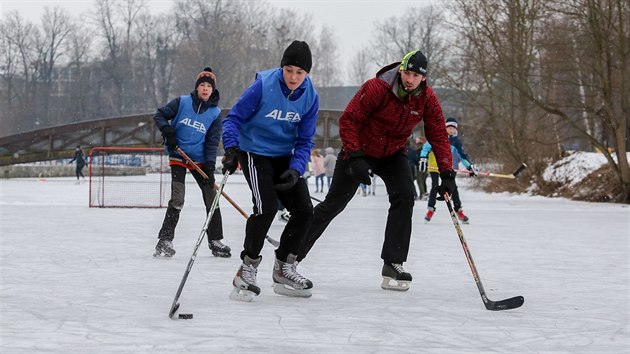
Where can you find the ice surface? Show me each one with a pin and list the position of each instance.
(82, 280)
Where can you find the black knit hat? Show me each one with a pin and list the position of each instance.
(298, 54)
(415, 61)
(206, 76)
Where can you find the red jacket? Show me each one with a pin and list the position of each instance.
(378, 123)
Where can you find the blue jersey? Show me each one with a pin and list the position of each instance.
(270, 120)
(191, 128)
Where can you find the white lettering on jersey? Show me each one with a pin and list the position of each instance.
(292, 117)
(194, 124)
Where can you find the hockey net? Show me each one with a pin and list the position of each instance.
(125, 177)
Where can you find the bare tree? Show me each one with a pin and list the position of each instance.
(421, 29)
(360, 67)
(325, 72)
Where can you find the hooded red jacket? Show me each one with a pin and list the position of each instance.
(378, 123)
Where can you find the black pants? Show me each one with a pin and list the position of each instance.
(395, 173)
(176, 203)
(79, 170)
(262, 174)
(435, 182)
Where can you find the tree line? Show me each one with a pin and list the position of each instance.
(528, 79)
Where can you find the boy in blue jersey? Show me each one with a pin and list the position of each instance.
(269, 131)
(192, 123)
(457, 149)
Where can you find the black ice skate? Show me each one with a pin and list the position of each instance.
(164, 249)
(245, 286)
(219, 249)
(287, 281)
(395, 277)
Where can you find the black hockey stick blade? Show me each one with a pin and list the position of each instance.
(507, 304)
(173, 310)
(273, 241)
(520, 169)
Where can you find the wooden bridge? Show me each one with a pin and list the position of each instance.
(132, 131)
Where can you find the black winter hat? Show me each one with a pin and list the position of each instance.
(415, 61)
(298, 54)
(206, 76)
(451, 122)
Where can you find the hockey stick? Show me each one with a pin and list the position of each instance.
(215, 203)
(275, 243)
(515, 174)
(317, 200)
(506, 304)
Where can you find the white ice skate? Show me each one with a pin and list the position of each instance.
(245, 286)
(395, 277)
(287, 281)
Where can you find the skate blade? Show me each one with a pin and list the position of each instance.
(221, 254)
(393, 284)
(285, 290)
(238, 294)
(162, 256)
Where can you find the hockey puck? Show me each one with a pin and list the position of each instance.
(186, 316)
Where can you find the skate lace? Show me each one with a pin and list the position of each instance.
(218, 245)
(249, 273)
(398, 268)
(290, 272)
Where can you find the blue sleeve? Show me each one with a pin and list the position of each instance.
(213, 136)
(165, 113)
(304, 140)
(426, 149)
(240, 113)
(456, 142)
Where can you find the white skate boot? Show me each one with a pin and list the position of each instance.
(287, 281)
(245, 286)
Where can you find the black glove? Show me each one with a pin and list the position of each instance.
(473, 170)
(168, 133)
(359, 168)
(448, 184)
(208, 168)
(288, 180)
(423, 164)
(230, 160)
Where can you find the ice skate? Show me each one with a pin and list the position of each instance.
(284, 215)
(245, 286)
(164, 249)
(462, 217)
(219, 249)
(429, 215)
(287, 281)
(395, 277)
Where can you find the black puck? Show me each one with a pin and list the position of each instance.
(186, 316)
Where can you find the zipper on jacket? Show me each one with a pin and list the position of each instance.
(289, 95)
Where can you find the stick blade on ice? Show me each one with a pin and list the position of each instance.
(507, 304)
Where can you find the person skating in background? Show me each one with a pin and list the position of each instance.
(270, 132)
(374, 129)
(192, 123)
(421, 179)
(81, 161)
(426, 163)
(319, 170)
(330, 159)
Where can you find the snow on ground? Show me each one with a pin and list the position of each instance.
(575, 167)
(82, 280)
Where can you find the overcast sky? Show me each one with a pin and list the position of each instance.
(352, 20)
